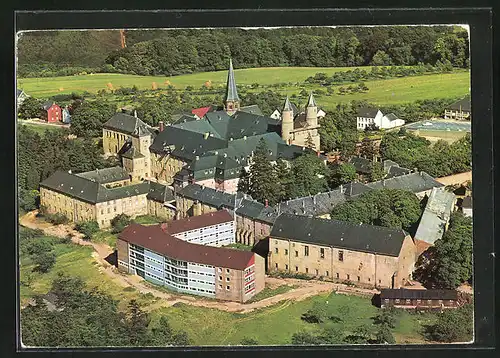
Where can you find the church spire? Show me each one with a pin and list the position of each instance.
(311, 102)
(231, 90)
(287, 106)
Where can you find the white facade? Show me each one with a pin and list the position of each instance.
(321, 113)
(467, 212)
(380, 120)
(215, 235)
(177, 275)
(276, 115)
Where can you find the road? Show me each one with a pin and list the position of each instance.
(303, 288)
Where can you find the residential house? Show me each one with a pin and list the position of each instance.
(66, 115)
(418, 298)
(367, 117)
(51, 112)
(366, 255)
(163, 259)
(20, 97)
(460, 110)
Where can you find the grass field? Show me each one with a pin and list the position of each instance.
(390, 91)
(40, 128)
(272, 325)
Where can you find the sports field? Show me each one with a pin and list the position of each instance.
(383, 92)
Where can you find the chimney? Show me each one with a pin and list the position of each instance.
(161, 126)
(206, 135)
(267, 203)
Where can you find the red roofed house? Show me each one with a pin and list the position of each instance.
(200, 112)
(154, 253)
(51, 112)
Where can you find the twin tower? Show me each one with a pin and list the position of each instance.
(299, 129)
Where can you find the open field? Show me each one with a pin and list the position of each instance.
(40, 128)
(390, 91)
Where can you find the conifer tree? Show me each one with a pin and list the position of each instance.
(262, 176)
(285, 180)
(244, 182)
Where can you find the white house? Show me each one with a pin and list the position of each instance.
(295, 111)
(21, 96)
(368, 116)
(276, 114)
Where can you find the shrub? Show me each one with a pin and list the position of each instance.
(88, 228)
(120, 222)
(44, 261)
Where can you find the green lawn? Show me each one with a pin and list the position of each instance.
(148, 220)
(74, 260)
(275, 325)
(106, 237)
(40, 128)
(390, 91)
(270, 292)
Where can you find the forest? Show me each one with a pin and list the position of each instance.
(175, 52)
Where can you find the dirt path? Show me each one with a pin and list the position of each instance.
(304, 288)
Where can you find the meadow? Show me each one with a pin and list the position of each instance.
(382, 92)
(273, 325)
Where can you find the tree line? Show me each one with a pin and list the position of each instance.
(86, 317)
(180, 51)
(438, 159)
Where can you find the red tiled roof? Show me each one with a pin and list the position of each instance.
(153, 238)
(197, 222)
(200, 112)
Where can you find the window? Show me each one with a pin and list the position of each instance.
(220, 278)
(418, 301)
(286, 267)
(228, 288)
(429, 302)
(368, 279)
(296, 254)
(306, 250)
(296, 268)
(326, 274)
(348, 277)
(408, 302)
(227, 271)
(227, 279)
(341, 255)
(286, 251)
(338, 276)
(359, 278)
(276, 250)
(307, 270)
(317, 272)
(396, 300)
(322, 253)
(379, 281)
(276, 266)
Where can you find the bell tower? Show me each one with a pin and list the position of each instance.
(231, 100)
(311, 112)
(287, 122)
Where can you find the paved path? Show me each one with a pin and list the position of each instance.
(303, 290)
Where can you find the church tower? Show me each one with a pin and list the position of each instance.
(311, 112)
(231, 101)
(287, 122)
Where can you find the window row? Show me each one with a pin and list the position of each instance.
(228, 288)
(306, 252)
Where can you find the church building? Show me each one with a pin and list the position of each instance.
(210, 148)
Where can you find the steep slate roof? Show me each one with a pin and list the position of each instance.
(132, 153)
(391, 116)
(47, 105)
(153, 238)
(353, 189)
(339, 234)
(250, 208)
(125, 123)
(231, 89)
(463, 104)
(199, 126)
(106, 175)
(160, 193)
(209, 196)
(253, 109)
(362, 165)
(196, 222)
(367, 112)
(435, 216)
(182, 118)
(311, 102)
(397, 171)
(88, 190)
(315, 205)
(287, 106)
(415, 182)
(403, 293)
(467, 202)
